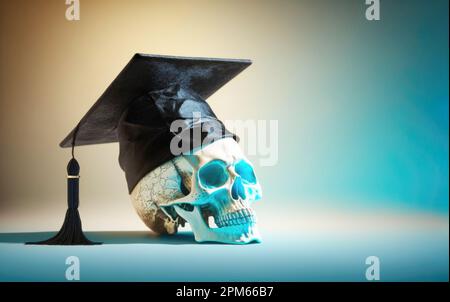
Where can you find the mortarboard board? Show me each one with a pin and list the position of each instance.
(137, 110)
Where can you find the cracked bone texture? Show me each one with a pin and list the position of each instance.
(221, 184)
(154, 190)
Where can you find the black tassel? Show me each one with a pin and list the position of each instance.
(71, 232)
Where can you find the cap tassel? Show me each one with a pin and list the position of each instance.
(71, 232)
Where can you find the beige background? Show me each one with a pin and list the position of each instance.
(53, 70)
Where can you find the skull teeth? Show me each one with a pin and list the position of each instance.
(244, 216)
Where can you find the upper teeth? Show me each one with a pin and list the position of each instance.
(243, 216)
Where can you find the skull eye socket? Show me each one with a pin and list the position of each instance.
(245, 171)
(214, 174)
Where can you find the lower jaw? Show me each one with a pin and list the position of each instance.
(238, 234)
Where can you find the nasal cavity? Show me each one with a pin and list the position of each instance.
(237, 190)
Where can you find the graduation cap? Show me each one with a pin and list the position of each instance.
(137, 110)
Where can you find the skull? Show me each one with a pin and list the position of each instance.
(211, 189)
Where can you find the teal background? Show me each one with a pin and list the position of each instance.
(366, 123)
(136, 256)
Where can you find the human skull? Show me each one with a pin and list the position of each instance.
(215, 183)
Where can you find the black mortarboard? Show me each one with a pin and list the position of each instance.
(137, 110)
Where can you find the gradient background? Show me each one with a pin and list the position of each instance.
(363, 111)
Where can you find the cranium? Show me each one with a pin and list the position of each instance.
(216, 183)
